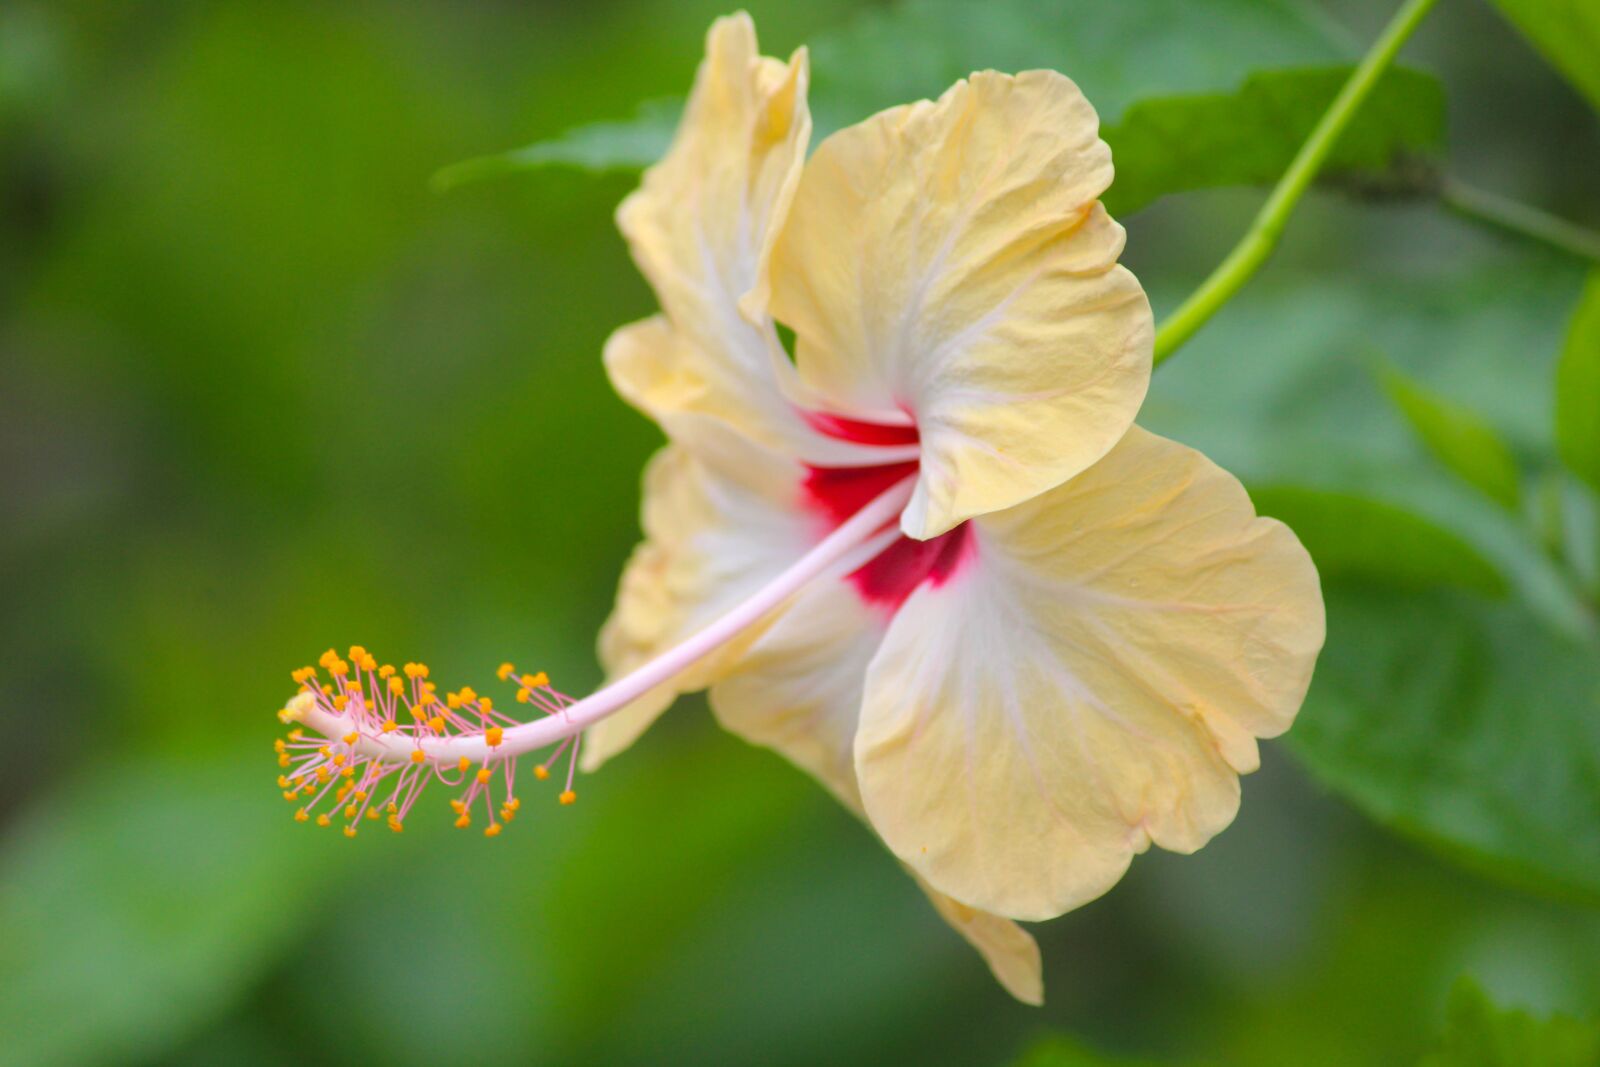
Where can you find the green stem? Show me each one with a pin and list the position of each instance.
(1259, 241)
(1520, 219)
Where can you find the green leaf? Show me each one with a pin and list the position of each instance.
(1249, 136)
(629, 145)
(1117, 53)
(1458, 437)
(1567, 32)
(1466, 725)
(1170, 138)
(1578, 389)
(1351, 536)
(1478, 1034)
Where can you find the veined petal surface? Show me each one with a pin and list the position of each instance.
(1094, 680)
(701, 227)
(950, 260)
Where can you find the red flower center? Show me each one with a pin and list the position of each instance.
(836, 493)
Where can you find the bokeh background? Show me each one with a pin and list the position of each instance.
(263, 392)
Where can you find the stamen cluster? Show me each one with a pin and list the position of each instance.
(357, 753)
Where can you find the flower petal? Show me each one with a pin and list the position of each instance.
(716, 530)
(1092, 681)
(950, 259)
(701, 226)
(797, 690)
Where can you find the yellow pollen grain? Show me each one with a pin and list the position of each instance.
(464, 764)
(389, 726)
(492, 830)
(484, 775)
(541, 772)
(323, 820)
(493, 736)
(568, 797)
(465, 821)
(506, 670)
(349, 831)
(417, 756)
(301, 816)
(436, 724)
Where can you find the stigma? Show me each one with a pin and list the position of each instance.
(366, 741)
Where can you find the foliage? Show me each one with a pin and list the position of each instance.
(1578, 389)
(1567, 32)
(1478, 1034)
(264, 394)
(1176, 120)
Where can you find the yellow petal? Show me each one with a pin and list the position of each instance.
(951, 260)
(1094, 680)
(701, 226)
(797, 690)
(716, 530)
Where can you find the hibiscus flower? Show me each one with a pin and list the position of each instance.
(929, 559)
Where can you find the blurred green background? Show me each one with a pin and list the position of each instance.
(264, 392)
